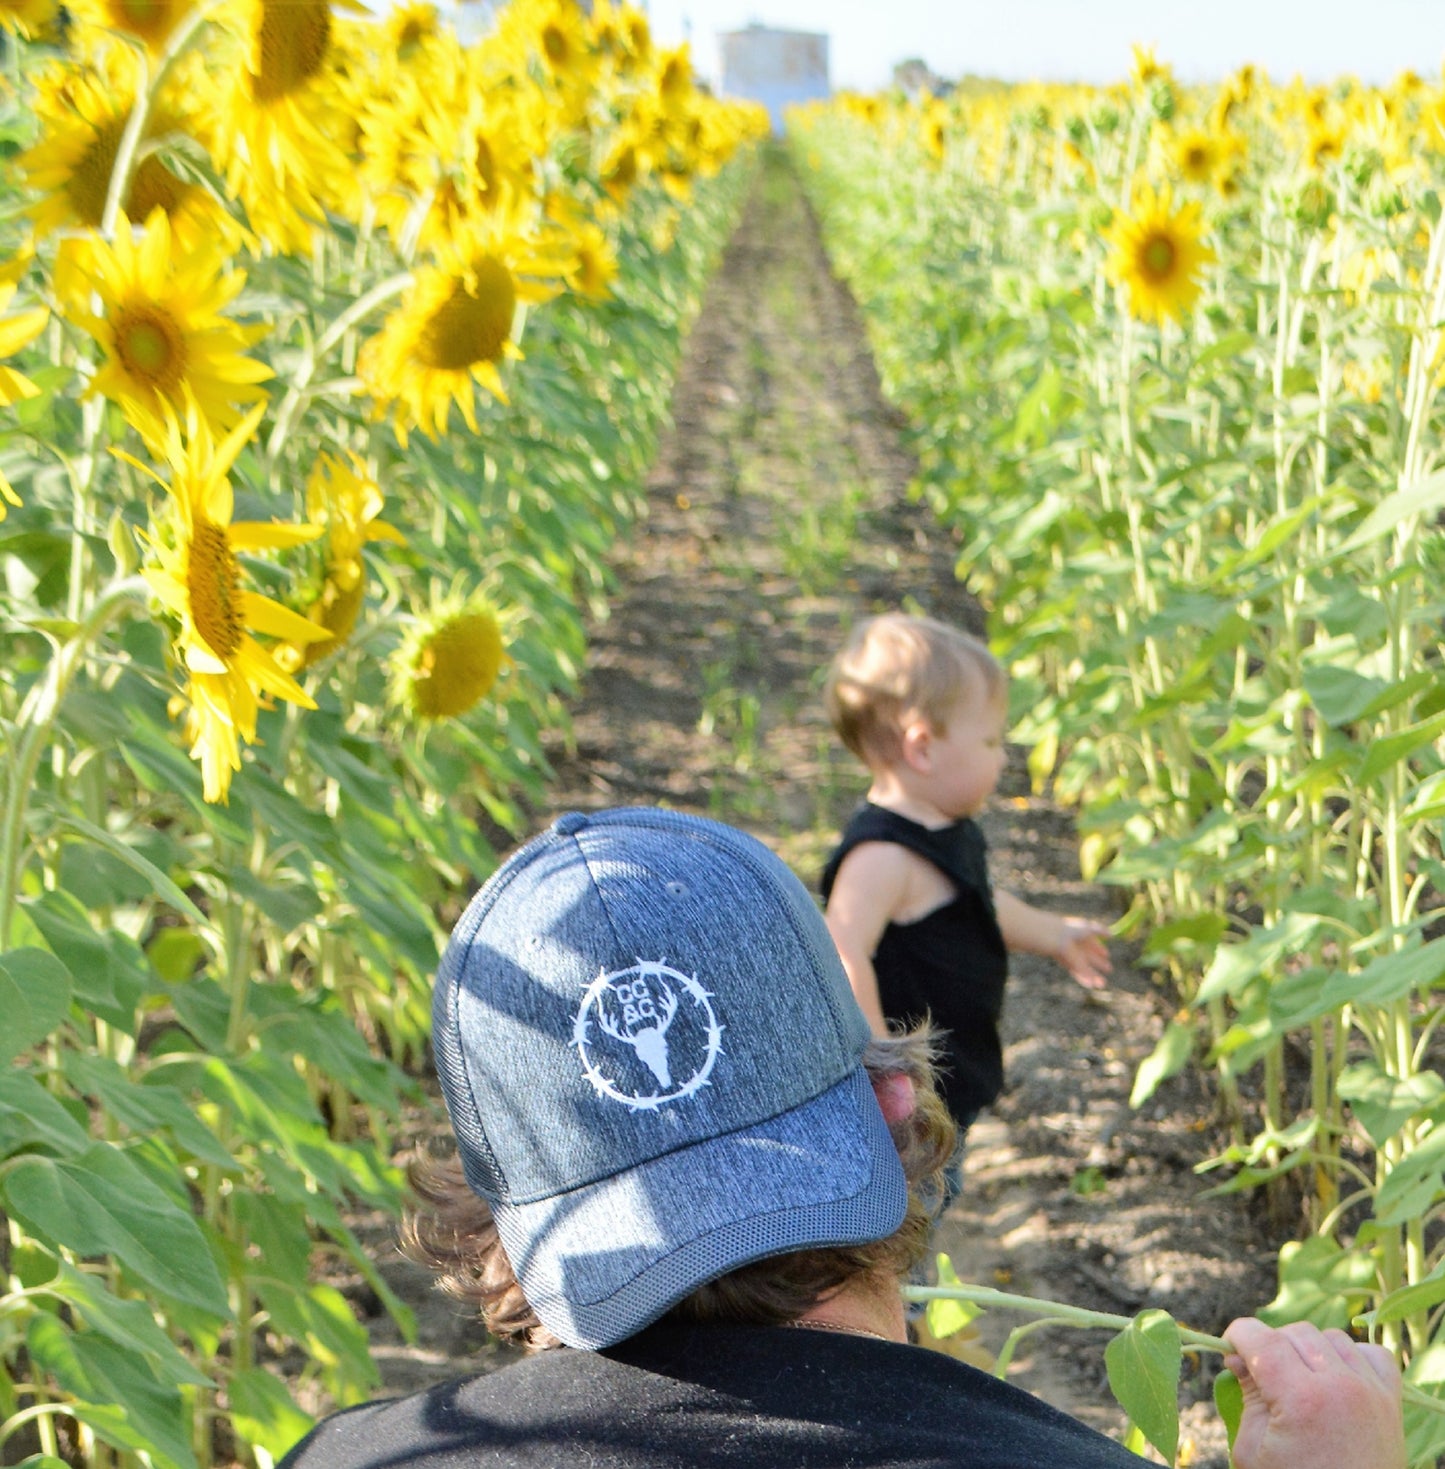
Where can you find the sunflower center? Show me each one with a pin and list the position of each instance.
(1157, 257)
(623, 173)
(213, 588)
(149, 19)
(473, 325)
(295, 35)
(486, 162)
(673, 82)
(89, 180)
(554, 44)
(151, 347)
(591, 272)
(153, 186)
(456, 664)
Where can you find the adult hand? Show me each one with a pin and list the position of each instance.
(1083, 953)
(1314, 1398)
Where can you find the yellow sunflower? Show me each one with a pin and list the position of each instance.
(674, 78)
(454, 329)
(1325, 145)
(623, 33)
(82, 112)
(198, 578)
(933, 132)
(16, 331)
(30, 18)
(441, 152)
(149, 21)
(160, 325)
(555, 33)
(1196, 155)
(1157, 256)
(624, 165)
(1147, 69)
(410, 27)
(637, 31)
(562, 41)
(594, 263)
(280, 118)
(449, 661)
(343, 497)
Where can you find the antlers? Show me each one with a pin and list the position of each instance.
(669, 1010)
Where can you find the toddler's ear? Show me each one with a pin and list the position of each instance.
(917, 743)
(896, 1097)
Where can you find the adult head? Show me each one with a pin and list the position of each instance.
(663, 1093)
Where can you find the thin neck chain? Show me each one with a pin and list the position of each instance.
(837, 1326)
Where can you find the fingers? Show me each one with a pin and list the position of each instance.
(1277, 1357)
(1382, 1362)
(1088, 961)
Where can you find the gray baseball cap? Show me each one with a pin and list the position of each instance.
(652, 1062)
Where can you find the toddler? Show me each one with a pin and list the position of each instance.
(919, 927)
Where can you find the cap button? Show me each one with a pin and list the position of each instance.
(569, 822)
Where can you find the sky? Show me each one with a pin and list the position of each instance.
(1083, 40)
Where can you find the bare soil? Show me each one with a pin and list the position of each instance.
(779, 514)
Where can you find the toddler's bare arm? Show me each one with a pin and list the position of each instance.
(868, 894)
(1077, 943)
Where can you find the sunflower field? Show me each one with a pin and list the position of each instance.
(334, 350)
(1172, 360)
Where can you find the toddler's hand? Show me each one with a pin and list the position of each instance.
(1083, 953)
(1314, 1398)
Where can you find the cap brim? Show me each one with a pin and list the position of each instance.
(824, 1173)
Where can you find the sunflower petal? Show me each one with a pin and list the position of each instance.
(200, 659)
(263, 535)
(263, 671)
(23, 327)
(277, 621)
(14, 386)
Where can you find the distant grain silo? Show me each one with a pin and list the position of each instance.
(776, 68)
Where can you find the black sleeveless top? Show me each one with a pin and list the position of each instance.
(951, 964)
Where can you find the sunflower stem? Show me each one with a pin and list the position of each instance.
(92, 419)
(129, 146)
(1063, 1315)
(32, 727)
(985, 1295)
(358, 311)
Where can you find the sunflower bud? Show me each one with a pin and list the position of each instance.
(1313, 204)
(450, 662)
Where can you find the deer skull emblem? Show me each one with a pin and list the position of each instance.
(639, 1007)
(647, 1034)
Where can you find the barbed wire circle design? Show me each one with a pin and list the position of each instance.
(634, 1009)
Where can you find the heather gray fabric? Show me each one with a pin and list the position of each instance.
(651, 1059)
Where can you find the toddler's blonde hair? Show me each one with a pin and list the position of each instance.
(897, 667)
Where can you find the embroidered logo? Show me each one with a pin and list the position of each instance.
(647, 1035)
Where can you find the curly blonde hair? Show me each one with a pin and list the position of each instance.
(451, 1231)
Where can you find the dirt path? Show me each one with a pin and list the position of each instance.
(778, 516)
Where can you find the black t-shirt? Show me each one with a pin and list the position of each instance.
(680, 1396)
(951, 964)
